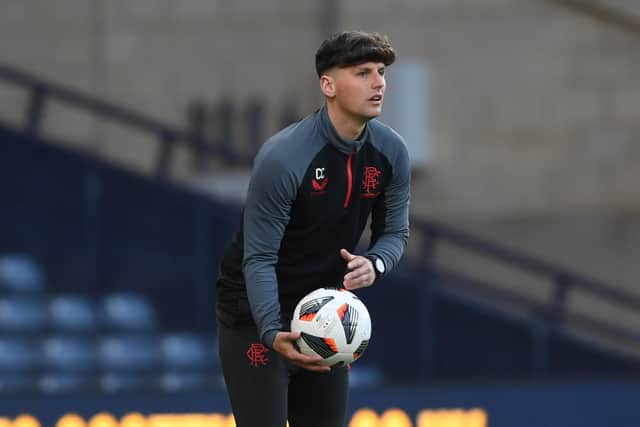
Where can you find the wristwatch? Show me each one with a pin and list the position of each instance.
(378, 265)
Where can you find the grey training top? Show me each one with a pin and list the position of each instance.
(310, 195)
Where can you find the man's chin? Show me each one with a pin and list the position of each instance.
(371, 114)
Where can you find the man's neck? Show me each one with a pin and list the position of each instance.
(347, 127)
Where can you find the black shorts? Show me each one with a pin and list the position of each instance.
(266, 391)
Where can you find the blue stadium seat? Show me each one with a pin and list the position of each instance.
(70, 364)
(20, 273)
(73, 314)
(20, 361)
(128, 312)
(190, 361)
(23, 314)
(365, 376)
(70, 353)
(128, 362)
(66, 382)
(188, 350)
(172, 382)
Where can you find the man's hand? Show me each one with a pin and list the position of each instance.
(284, 343)
(361, 272)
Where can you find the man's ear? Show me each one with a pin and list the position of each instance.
(327, 85)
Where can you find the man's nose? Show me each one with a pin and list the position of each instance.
(378, 81)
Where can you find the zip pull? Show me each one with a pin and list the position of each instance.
(349, 180)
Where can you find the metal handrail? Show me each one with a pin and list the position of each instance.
(535, 307)
(562, 278)
(41, 90)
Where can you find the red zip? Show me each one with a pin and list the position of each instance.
(349, 179)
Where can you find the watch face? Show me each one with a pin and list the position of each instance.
(379, 265)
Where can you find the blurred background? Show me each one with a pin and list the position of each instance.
(127, 132)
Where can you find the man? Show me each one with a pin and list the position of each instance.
(313, 186)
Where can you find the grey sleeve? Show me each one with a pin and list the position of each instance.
(272, 189)
(390, 220)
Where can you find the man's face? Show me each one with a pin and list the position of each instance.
(359, 89)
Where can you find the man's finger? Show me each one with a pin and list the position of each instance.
(294, 335)
(310, 363)
(348, 256)
(356, 263)
(359, 281)
(303, 358)
(355, 274)
(315, 367)
(360, 271)
(354, 282)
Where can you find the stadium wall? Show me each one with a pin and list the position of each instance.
(534, 107)
(522, 89)
(506, 405)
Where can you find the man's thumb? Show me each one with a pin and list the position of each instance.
(294, 335)
(346, 255)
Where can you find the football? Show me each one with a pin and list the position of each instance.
(334, 324)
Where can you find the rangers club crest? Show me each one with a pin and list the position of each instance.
(256, 355)
(370, 182)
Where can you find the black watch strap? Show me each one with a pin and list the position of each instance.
(378, 265)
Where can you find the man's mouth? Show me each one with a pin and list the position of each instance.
(376, 98)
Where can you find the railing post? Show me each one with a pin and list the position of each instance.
(540, 335)
(224, 111)
(201, 268)
(430, 237)
(34, 109)
(197, 118)
(288, 114)
(543, 327)
(560, 292)
(427, 344)
(254, 116)
(167, 139)
(93, 199)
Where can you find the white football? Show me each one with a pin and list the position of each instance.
(334, 324)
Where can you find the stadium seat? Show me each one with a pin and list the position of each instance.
(20, 361)
(73, 314)
(188, 350)
(70, 364)
(128, 312)
(70, 353)
(20, 273)
(189, 360)
(182, 381)
(66, 382)
(128, 362)
(22, 314)
(365, 376)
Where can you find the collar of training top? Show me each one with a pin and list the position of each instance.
(329, 131)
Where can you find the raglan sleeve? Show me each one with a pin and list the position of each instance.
(270, 196)
(390, 216)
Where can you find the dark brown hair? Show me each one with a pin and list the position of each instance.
(352, 48)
